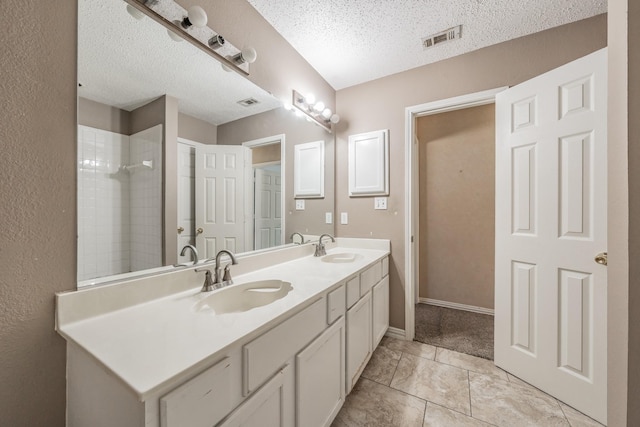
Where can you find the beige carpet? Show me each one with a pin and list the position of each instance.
(457, 330)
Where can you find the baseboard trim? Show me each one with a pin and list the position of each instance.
(395, 333)
(457, 306)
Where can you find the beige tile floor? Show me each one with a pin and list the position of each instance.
(413, 384)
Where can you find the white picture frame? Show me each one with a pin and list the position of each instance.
(308, 170)
(369, 164)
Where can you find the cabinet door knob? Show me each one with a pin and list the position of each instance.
(601, 258)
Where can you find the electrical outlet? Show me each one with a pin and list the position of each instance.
(328, 217)
(344, 218)
(380, 203)
(299, 205)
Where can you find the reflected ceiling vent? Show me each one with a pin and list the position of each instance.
(248, 102)
(442, 37)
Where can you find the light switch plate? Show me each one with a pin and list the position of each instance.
(344, 218)
(380, 203)
(328, 217)
(300, 205)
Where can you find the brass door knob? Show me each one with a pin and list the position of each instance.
(180, 230)
(199, 230)
(601, 258)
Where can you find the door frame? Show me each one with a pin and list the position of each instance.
(411, 250)
(269, 140)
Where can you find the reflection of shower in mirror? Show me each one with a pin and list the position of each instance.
(144, 165)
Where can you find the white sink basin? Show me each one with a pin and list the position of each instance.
(244, 297)
(340, 258)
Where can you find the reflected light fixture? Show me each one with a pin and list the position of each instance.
(134, 12)
(315, 111)
(196, 16)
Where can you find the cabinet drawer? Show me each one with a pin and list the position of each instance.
(269, 352)
(336, 304)
(203, 401)
(370, 277)
(385, 266)
(353, 291)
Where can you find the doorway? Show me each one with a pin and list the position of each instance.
(456, 219)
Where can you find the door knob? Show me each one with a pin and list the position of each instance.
(199, 230)
(180, 230)
(601, 258)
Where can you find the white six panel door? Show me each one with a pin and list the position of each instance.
(551, 205)
(268, 207)
(221, 178)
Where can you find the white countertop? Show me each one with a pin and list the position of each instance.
(152, 344)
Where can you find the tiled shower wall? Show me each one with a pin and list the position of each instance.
(119, 211)
(145, 200)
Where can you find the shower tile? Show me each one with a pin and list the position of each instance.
(470, 363)
(578, 419)
(372, 404)
(382, 365)
(438, 416)
(414, 348)
(442, 384)
(506, 404)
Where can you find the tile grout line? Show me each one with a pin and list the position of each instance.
(469, 384)
(563, 413)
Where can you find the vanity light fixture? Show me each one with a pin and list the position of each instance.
(315, 111)
(179, 23)
(196, 16)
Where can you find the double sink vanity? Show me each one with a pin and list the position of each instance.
(282, 346)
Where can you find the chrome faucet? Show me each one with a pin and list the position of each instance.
(208, 284)
(320, 249)
(220, 279)
(194, 252)
(301, 238)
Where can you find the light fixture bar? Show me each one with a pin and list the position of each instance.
(300, 103)
(149, 9)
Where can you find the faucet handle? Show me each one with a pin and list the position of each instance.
(227, 275)
(208, 284)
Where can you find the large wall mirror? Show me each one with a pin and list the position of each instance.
(175, 150)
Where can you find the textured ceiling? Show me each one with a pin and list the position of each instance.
(354, 41)
(126, 63)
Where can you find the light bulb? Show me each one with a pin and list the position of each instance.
(248, 54)
(299, 113)
(226, 68)
(287, 106)
(319, 106)
(326, 113)
(174, 36)
(196, 16)
(135, 12)
(310, 99)
(335, 119)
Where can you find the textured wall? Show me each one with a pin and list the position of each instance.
(457, 205)
(38, 209)
(380, 104)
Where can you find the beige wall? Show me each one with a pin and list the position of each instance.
(296, 131)
(457, 206)
(380, 104)
(38, 209)
(266, 154)
(102, 116)
(197, 130)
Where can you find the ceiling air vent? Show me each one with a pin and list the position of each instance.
(248, 102)
(444, 36)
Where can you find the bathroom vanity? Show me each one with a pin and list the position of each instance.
(156, 351)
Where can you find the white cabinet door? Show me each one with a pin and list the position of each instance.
(320, 377)
(551, 221)
(358, 339)
(270, 406)
(380, 305)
